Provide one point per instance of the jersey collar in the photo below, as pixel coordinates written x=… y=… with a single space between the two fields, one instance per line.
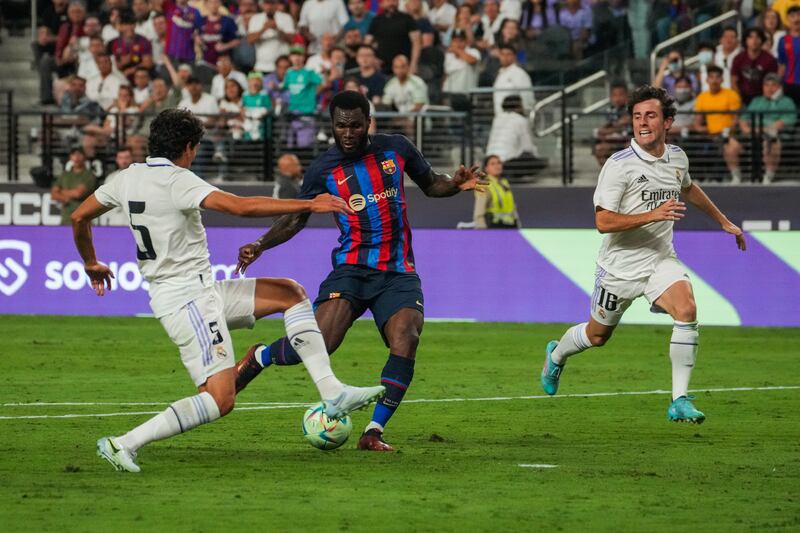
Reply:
x=158 y=162
x=644 y=156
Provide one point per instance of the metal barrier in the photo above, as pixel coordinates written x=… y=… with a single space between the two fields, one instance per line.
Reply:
x=8 y=139
x=706 y=153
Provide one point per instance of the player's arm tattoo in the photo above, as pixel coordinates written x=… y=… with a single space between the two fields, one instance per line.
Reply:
x=439 y=185
x=284 y=228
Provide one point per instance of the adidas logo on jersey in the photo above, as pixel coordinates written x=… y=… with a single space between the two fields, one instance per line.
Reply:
x=642 y=179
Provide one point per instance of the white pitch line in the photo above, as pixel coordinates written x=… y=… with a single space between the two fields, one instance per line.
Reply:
x=537 y=465
x=254 y=406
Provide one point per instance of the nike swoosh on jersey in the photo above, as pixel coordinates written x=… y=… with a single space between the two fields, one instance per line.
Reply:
x=339 y=182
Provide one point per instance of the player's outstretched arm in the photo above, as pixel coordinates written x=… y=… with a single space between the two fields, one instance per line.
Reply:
x=612 y=222
x=698 y=198
x=441 y=185
x=99 y=274
x=282 y=230
x=264 y=206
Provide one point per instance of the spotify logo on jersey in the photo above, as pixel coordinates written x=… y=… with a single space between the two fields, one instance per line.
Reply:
x=357 y=202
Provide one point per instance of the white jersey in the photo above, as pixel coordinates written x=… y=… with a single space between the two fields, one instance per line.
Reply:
x=162 y=203
x=633 y=182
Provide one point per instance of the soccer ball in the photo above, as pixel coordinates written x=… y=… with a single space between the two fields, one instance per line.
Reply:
x=325 y=433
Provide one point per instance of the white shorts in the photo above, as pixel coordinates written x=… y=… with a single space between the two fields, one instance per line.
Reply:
x=200 y=329
x=612 y=296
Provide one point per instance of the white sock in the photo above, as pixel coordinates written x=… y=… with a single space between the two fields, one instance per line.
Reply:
x=179 y=417
x=683 y=352
x=373 y=425
x=574 y=341
x=306 y=339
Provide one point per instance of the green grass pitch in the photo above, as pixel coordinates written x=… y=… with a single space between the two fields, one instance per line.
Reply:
x=621 y=465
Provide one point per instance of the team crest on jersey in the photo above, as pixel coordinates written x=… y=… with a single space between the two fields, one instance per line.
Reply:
x=601 y=312
x=388 y=166
x=221 y=352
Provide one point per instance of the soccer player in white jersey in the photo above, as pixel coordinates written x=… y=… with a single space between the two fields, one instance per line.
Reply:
x=636 y=202
x=162 y=200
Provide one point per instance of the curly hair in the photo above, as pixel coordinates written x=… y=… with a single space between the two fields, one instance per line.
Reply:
x=171 y=131
x=648 y=92
x=349 y=100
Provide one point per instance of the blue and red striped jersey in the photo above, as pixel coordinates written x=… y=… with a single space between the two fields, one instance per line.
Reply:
x=789 y=56
x=378 y=234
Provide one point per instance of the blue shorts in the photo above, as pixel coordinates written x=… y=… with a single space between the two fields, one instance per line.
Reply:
x=384 y=293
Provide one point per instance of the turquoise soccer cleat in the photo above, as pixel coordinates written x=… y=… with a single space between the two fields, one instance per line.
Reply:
x=683 y=410
x=551 y=372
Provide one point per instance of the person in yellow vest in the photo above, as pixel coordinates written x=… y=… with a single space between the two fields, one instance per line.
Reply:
x=495 y=208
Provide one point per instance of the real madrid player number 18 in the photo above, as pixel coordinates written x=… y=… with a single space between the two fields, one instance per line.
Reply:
x=373 y=266
x=636 y=204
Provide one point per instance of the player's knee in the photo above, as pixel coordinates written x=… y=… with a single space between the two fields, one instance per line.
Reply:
x=404 y=341
x=687 y=312
x=599 y=339
x=296 y=293
x=225 y=403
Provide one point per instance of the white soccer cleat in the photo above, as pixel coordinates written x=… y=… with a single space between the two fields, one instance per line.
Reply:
x=120 y=458
x=352 y=399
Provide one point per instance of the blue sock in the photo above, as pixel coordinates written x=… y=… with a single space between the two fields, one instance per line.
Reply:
x=396 y=377
x=281 y=353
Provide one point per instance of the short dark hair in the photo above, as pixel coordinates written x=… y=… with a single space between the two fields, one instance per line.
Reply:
x=171 y=131
x=506 y=46
x=364 y=45
x=707 y=45
x=758 y=31
x=619 y=84
x=794 y=9
x=512 y=102
x=489 y=158
x=648 y=92
x=349 y=100
x=77 y=150
x=127 y=17
x=192 y=80
x=714 y=68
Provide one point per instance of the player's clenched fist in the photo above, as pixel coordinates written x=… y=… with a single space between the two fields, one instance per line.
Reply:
x=325 y=203
x=672 y=210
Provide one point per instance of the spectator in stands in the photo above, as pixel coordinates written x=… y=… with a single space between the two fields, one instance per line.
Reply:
x=125 y=109
x=684 y=105
x=782 y=7
x=751 y=65
x=511 y=9
x=471 y=28
x=442 y=15
x=394 y=33
x=104 y=88
x=49 y=21
x=116 y=216
x=536 y=16
x=509 y=35
x=73 y=185
x=76 y=102
x=352 y=40
x=716 y=118
x=431 y=65
x=639 y=20
x=256 y=105
x=199 y=102
x=79 y=52
x=616 y=132
x=225 y=72
x=672 y=68
x=321 y=61
x=67 y=41
x=87 y=65
x=368 y=74
x=274 y=86
x=360 y=17
x=303 y=85
x=577 y=18
x=271 y=32
x=406 y=92
x=778 y=119
x=333 y=77
x=110 y=28
x=705 y=58
x=511 y=79
x=727 y=49
x=217 y=35
x=141 y=85
x=130 y=51
x=321 y=16
x=770 y=22
x=159 y=44
x=495 y=207
x=161 y=98
x=183 y=23
x=144 y=19
x=789 y=56
x=492 y=19
x=510 y=139
x=460 y=69
x=289 y=178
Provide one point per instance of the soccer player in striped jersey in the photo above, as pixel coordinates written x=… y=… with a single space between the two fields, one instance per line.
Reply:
x=637 y=201
x=373 y=267
x=163 y=200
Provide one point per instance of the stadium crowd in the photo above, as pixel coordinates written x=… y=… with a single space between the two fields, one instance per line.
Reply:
x=114 y=64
